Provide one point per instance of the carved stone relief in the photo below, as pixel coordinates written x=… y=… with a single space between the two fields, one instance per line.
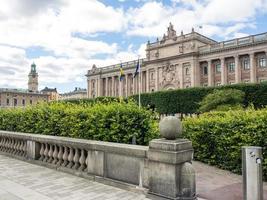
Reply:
x=169 y=76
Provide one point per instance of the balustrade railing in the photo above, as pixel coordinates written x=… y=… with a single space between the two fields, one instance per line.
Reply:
x=13 y=146
x=78 y=156
x=234 y=43
x=65 y=156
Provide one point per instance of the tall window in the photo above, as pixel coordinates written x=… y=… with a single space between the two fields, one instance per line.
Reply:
x=31 y=102
x=15 y=102
x=231 y=66
x=246 y=64
x=187 y=71
x=23 y=102
x=7 y=102
x=218 y=67
x=205 y=70
x=262 y=62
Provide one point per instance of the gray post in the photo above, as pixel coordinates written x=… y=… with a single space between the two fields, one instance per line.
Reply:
x=33 y=150
x=252 y=173
x=171 y=174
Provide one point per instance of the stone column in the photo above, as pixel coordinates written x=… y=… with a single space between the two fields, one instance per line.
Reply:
x=98 y=87
x=192 y=74
x=113 y=86
x=156 y=79
x=147 y=80
x=126 y=88
x=181 y=76
x=106 y=87
x=237 y=70
x=210 y=74
x=88 y=88
x=252 y=63
x=171 y=174
x=223 y=72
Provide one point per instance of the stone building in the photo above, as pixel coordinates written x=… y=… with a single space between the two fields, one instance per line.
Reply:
x=51 y=92
x=78 y=93
x=11 y=97
x=185 y=60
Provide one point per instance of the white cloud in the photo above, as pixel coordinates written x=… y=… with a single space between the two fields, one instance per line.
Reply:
x=68 y=30
x=151 y=18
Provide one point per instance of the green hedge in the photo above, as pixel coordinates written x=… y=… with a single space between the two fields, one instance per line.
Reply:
x=217 y=137
x=187 y=100
x=113 y=122
x=104 y=100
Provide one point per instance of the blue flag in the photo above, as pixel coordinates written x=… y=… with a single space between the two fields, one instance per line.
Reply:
x=137 y=69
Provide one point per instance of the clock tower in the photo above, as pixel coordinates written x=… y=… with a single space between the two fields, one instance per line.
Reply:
x=33 y=79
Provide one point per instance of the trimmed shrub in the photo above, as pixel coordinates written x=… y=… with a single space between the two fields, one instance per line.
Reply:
x=222 y=100
x=112 y=122
x=187 y=100
x=217 y=137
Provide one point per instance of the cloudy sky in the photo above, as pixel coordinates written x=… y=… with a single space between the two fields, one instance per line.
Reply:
x=66 y=37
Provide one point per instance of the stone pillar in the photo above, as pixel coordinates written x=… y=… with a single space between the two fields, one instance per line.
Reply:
x=192 y=74
x=171 y=174
x=181 y=76
x=147 y=80
x=237 y=70
x=106 y=86
x=113 y=86
x=99 y=87
x=210 y=74
x=252 y=63
x=88 y=88
x=156 y=79
x=33 y=150
x=223 y=72
x=126 y=82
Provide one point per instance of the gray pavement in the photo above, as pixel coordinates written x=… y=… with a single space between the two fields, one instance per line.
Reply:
x=20 y=180
x=24 y=181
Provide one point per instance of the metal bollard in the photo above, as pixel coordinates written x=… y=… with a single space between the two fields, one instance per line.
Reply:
x=252 y=173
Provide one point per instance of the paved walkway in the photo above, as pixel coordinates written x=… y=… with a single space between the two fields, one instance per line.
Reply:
x=24 y=181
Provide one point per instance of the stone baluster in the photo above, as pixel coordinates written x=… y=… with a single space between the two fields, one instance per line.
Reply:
x=76 y=159
x=65 y=157
x=11 y=146
x=70 y=158
x=8 y=145
x=42 y=152
x=1 y=144
x=17 y=147
x=60 y=156
x=24 y=148
x=20 y=148
x=55 y=154
x=14 y=147
x=4 y=145
x=45 y=153
x=82 y=161
x=50 y=153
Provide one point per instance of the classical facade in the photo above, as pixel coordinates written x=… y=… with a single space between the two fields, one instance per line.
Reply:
x=78 y=93
x=51 y=92
x=185 y=60
x=12 y=97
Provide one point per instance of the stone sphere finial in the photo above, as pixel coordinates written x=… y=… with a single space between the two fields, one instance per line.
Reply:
x=170 y=127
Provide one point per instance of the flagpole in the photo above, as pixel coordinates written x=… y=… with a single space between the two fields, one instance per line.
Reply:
x=139 y=83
